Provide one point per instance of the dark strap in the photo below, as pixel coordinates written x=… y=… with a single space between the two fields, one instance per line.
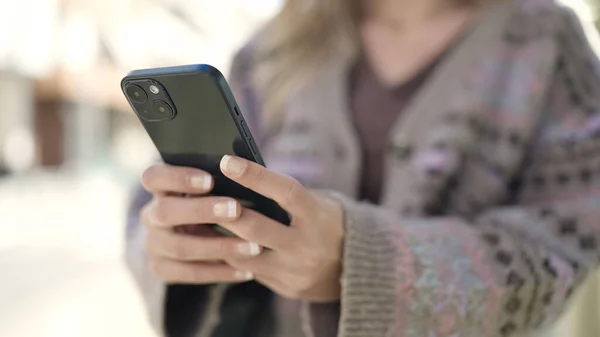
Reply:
x=184 y=306
x=245 y=310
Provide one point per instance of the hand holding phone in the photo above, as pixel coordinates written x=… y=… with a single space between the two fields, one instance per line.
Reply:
x=301 y=261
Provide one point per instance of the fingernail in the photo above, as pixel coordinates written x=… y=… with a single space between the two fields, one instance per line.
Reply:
x=232 y=165
x=243 y=275
x=201 y=182
x=225 y=209
x=248 y=249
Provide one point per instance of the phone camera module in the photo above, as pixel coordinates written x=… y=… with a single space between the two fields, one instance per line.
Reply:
x=136 y=94
x=162 y=110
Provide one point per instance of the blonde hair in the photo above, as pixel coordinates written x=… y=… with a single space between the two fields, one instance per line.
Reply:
x=296 y=42
x=294 y=45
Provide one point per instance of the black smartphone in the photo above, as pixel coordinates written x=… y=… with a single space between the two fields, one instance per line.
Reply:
x=190 y=114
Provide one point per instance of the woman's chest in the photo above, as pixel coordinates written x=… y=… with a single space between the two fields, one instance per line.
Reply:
x=459 y=143
x=455 y=149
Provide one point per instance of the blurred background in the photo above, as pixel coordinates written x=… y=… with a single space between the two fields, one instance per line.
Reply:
x=71 y=151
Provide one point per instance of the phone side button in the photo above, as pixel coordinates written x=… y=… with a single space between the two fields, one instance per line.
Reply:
x=253 y=147
x=245 y=130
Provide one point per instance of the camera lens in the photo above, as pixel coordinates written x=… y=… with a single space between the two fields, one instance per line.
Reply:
x=136 y=94
x=162 y=110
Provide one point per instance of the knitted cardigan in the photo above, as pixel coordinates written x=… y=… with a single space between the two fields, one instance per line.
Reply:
x=490 y=215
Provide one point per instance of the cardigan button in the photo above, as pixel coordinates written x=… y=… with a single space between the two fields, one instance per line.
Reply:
x=401 y=148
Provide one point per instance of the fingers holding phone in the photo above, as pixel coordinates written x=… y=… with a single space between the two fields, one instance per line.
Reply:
x=176 y=256
x=163 y=179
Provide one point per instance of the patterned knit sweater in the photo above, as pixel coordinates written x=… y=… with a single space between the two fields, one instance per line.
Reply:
x=491 y=209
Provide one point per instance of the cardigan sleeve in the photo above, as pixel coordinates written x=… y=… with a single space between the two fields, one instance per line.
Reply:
x=152 y=289
x=510 y=270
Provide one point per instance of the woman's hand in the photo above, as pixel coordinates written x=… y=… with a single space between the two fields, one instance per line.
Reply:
x=179 y=251
x=303 y=261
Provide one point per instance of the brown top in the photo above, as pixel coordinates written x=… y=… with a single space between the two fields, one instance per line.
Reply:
x=375 y=109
